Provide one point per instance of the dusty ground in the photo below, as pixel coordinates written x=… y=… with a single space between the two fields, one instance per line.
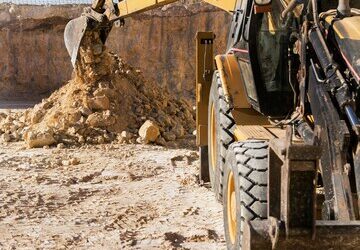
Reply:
x=117 y=197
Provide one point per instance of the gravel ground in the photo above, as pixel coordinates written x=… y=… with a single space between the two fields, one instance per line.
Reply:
x=105 y=197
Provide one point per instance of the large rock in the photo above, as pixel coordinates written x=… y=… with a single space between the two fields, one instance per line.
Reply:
x=38 y=139
x=126 y=135
x=100 y=119
x=169 y=136
x=149 y=131
x=36 y=116
x=99 y=103
x=5 y=138
x=105 y=92
x=179 y=131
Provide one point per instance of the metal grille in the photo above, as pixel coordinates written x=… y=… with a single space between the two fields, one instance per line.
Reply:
x=46 y=2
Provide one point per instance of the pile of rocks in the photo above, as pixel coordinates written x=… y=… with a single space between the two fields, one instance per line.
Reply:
x=106 y=100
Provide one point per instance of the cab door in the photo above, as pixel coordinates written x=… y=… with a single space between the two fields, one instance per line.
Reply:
x=261 y=43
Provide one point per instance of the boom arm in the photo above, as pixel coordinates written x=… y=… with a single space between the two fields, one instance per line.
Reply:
x=104 y=13
x=128 y=8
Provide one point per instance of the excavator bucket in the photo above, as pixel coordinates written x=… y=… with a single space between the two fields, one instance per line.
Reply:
x=74 y=33
x=77 y=28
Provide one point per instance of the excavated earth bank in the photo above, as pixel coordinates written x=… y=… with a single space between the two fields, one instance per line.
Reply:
x=161 y=43
x=113 y=105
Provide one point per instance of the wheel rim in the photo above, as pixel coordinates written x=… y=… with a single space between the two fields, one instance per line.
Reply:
x=231 y=207
x=213 y=145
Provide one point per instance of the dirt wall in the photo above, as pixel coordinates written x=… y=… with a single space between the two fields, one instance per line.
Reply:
x=34 y=61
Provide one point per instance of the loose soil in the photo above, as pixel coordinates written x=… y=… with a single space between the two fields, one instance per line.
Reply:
x=105 y=197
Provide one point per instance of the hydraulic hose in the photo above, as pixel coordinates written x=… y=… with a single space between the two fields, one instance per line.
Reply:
x=292 y=5
x=343 y=95
x=322 y=51
x=354 y=120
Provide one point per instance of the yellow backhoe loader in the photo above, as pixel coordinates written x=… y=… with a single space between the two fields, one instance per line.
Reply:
x=277 y=117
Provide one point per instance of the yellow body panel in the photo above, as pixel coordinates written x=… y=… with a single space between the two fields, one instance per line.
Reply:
x=254 y=132
x=243 y=133
x=230 y=75
x=204 y=73
x=347 y=35
x=227 y=5
x=249 y=122
x=347 y=28
x=249 y=116
x=129 y=7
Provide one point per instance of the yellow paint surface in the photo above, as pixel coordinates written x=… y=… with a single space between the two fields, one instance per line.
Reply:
x=348 y=28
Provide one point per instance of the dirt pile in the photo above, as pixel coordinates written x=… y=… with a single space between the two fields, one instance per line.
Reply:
x=106 y=100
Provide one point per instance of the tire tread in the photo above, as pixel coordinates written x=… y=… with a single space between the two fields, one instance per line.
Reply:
x=250 y=162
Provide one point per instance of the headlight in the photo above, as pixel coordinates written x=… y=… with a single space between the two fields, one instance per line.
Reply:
x=263 y=2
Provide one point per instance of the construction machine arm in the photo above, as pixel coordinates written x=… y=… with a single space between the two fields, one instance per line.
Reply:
x=127 y=8
x=101 y=16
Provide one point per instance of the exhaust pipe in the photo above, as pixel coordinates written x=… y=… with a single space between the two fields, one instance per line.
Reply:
x=344 y=8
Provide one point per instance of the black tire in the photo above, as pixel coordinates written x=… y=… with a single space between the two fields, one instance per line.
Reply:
x=247 y=163
x=224 y=124
x=204 y=164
